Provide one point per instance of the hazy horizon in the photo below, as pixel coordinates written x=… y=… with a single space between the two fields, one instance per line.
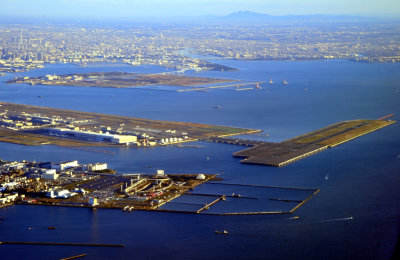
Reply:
x=122 y=9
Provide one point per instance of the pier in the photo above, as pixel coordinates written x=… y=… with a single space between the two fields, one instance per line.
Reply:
x=259 y=200
x=219 y=195
x=240 y=89
x=237 y=86
x=207 y=206
x=59 y=244
x=74 y=257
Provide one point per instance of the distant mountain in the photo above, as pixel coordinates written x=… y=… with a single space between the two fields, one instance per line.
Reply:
x=236 y=18
x=248 y=16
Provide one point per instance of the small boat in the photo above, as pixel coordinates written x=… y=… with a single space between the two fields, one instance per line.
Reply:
x=224 y=232
x=270 y=81
x=51 y=227
x=285 y=82
x=217 y=107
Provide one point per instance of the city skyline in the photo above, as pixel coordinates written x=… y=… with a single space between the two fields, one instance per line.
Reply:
x=172 y=8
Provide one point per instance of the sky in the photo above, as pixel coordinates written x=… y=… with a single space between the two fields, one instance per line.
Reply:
x=173 y=8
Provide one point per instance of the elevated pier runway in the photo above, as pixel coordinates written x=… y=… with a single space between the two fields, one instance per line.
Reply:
x=225 y=140
x=278 y=154
x=281 y=154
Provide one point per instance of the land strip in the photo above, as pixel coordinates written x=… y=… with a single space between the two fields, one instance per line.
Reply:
x=26 y=138
x=117 y=80
x=32 y=125
x=70 y=184
x=281 y=154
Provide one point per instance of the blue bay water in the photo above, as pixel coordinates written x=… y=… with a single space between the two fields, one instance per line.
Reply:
x=358 y=178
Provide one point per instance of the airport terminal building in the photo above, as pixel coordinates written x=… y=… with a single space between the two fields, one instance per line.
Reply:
x=93 y=136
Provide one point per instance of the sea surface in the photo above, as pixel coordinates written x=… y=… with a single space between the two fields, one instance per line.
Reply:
x=356 y=214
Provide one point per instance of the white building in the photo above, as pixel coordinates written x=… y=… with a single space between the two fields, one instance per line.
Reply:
x=51 y=77
x=50 y=176
x=63 y=194
x=200 y=177
x=17 y=166
x=80 y=190
x=97 y=167
x=9 y=198
x=64 y=165
x=160 y=173
x=93 y=136
x=49 y=171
